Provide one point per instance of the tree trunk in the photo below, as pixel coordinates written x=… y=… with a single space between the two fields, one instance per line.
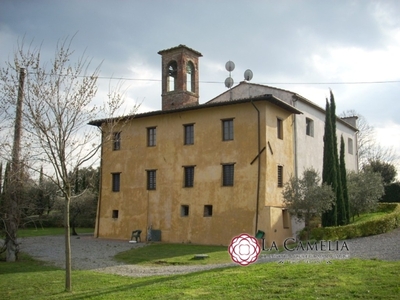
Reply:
x=11 y=232
x=68 y=269
x=12 y=209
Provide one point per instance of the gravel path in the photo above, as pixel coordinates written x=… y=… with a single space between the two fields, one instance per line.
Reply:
x=89 y=253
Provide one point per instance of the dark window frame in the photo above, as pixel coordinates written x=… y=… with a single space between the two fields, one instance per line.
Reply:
x=280 y=176
x=227 y=129
x=185 y=210
x=310 y=127
x=151 y=136
x=228 y=174
x=279 y=128
x=117 y=141
x=188 y=176
x=115 y=214
x=188 y=131
x=350 y=149
x=116 y=182
x=151 y=180
x=208 y=210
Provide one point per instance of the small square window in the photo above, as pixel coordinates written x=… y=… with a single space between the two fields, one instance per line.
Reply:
x=280 y=176
x=151 y=136
x=208 y=210
x=116 y=182
x=227 y=130
x=115 y=214
x=228 y=174
x=184 y=210
x=189 y=134
x=151 y=179
x=116 y=140
x=189 y=176
x=279 y=128
x=309 y=127
x=350 y=145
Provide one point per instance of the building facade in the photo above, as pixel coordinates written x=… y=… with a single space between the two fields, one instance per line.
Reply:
x=200 y=173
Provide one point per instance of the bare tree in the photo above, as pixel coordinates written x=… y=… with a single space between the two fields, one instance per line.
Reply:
x=59 y=102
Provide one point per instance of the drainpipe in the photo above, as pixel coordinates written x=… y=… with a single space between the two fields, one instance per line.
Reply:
x=259 y=164
x=295 y=139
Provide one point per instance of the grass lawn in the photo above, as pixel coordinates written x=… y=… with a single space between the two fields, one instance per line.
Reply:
x=175 y=254
x=342 y=279
x=368 y=217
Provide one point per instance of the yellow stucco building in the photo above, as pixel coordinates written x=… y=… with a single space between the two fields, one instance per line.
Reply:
x=197 y=173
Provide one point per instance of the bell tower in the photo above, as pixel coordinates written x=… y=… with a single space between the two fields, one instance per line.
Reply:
x=180 y=77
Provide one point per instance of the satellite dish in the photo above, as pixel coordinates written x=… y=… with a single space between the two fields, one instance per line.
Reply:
x=229 y=82
x=230 y=66
x=248 y=75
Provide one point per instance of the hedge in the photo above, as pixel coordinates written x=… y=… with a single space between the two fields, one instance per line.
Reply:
x=372 y=227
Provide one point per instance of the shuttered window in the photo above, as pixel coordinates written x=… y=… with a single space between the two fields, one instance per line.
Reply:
x=189 y=176
x=189 y=134
x=227 y=130
x=227 y=174
x=280 y=176
x=151 y=179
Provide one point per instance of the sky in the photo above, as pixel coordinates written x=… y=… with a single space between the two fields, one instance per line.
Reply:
x=307 y=47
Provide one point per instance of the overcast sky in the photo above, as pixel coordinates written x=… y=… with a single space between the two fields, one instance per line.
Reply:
x=306 y=47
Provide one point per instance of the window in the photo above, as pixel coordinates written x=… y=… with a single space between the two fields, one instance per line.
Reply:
x=208 y=210
x=151 y=136
x=279 y=128
x=190 y=77
x=280 y=176
x=116 y=140
x=309 y=127
x=116 y=182
x=189 y=134
x=227 y=130
x=285 y=218
x=184 y=210
x=350 y=145
x=227 y=174
x=151 y=179
x=115 y=214
x=172 y=75
x=189 y=176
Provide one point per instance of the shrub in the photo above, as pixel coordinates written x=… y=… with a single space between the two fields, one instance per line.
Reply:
x=392 y=192
x=381 y=225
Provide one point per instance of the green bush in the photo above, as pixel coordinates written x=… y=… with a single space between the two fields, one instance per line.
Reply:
x=392 y=193
x=381 y=225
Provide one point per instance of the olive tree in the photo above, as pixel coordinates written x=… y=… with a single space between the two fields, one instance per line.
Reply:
x=306 y=197
x=365 y=189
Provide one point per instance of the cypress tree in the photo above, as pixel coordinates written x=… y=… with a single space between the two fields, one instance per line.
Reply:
x=1 y=177
x=343 y=176
x=76 y=186
x=340 y=207
x=40 y=201
x=6 y=180
x=329 y=174
x=1 y=184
